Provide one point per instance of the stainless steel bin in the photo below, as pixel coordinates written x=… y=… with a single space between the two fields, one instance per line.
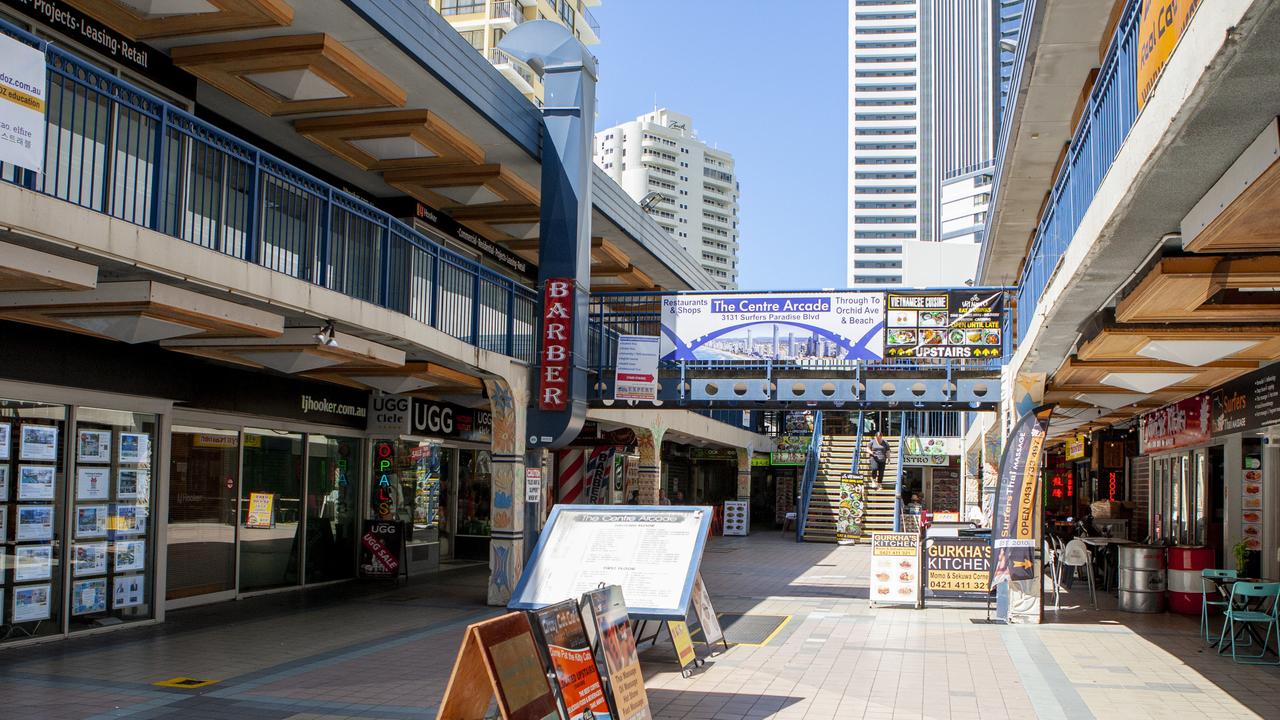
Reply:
x=1142 y=578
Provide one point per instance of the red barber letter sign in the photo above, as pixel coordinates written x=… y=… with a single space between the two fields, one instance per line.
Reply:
x=557 y=332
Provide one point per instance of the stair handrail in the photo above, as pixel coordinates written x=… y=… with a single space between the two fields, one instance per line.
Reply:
x=897 y=490
x=810 y=475
x=857 y=446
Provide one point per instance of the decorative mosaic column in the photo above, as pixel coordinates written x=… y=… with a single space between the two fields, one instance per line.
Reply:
x=506 y=546
x=744 y=473
x=649 y=442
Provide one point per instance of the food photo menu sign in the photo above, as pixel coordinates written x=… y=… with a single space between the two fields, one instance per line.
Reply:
x=944 y=324
x=895 y=569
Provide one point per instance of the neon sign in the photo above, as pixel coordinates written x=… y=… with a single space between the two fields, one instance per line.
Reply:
x=383 y=492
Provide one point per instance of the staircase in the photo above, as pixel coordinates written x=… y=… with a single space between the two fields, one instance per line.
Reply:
x=836 y=457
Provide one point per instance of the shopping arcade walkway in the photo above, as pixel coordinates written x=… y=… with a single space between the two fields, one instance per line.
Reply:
x=367 y=652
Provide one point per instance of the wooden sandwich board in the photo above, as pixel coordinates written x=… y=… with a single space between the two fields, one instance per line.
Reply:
x=499 y=659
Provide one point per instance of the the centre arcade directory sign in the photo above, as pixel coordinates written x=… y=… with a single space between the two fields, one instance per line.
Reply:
x=651 y=551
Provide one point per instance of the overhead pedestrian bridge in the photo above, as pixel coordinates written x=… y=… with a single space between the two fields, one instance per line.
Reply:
x=933 y=349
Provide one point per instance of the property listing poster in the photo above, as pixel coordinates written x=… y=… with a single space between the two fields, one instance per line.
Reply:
x=794 y=327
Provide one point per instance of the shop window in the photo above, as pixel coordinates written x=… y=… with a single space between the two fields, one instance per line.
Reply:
x=411 y=486
x=333 y=508
x=204 y=473
x=475 y=487
x=32 y=487
x=112 y=549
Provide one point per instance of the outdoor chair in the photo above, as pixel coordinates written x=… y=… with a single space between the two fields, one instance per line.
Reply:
x=1076 y=555
x=1053 y=566
x=1212 y=599
x=1238 y=610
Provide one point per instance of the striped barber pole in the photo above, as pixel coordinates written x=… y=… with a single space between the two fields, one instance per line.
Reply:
x=571 y=465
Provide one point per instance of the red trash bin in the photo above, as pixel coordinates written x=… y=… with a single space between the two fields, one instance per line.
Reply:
x=1186 y=590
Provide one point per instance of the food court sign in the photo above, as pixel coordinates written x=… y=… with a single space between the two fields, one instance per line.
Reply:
x=944 y=324
x=1181 y=424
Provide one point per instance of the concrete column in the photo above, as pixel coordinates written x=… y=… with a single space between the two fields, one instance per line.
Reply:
x=506 y=546
x=649 y=442
x=744 y=474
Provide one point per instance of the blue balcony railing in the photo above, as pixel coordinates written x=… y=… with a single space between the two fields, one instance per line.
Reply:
x=118 y=150
x=1104 y=125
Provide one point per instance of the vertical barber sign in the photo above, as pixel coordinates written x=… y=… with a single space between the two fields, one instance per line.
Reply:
x=557 y=337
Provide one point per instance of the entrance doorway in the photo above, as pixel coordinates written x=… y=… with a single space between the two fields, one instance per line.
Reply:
x=204 y=476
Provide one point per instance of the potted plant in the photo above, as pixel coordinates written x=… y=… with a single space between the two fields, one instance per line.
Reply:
x=1241 y=551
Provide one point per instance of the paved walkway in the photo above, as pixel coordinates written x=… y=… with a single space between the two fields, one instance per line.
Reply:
x=367 y=652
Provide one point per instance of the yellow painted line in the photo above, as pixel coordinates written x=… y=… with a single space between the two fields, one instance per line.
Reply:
x=184 y=683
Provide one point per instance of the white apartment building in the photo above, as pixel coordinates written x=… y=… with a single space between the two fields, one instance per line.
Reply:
x=923 y=102
x=687 y=186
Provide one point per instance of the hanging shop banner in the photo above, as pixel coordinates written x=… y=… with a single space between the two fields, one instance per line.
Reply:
x=1250 y=402
x=795 y=327
x=1017 y=499
x=1181 y=424
x=791 y=450
x=636 y=368
x=380 y=548
x=945 y=324
x=852 y=507
x=1159 y=30
x=929 y=452
x=262 y=511
x=22 y=99
x=499 y=660
x=957 y=567
x=616 y=647
x=569 y=651
x=895 y=568
x=1076 y=447
x=651 y=551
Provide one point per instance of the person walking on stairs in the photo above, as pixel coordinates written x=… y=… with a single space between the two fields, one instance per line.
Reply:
x=878 y=450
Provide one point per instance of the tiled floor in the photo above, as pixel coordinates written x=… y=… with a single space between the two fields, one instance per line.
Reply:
x=374 y=652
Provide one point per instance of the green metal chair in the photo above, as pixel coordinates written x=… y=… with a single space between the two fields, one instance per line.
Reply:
x=1242 y=594
x=1209 y=591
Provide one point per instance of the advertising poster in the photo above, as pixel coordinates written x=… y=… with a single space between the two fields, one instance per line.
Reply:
x=702 y=608
x=128 y=591
x=928 y=451
x=35 y=482
x=93 y=483
x=1251 y=503
x=38 y=442
x=262 y=511
x=135 y=448
x=93 y=446
x=570 y=653
x=22 y=100
x=895 y=568
x=1159 y=30
x=4 y=482
x=133 y=483
x=957 y=567
x=90 y=559
x=91 y=521
x=32 y=562
x=5 y=440
x=31 y=603
x=652 y=552
x=851 y=511
x=683 y=643
x=816 y=327
x=1250 y=402
x=89 y=596
x=947 y=324
x=636 y=368
x=380 y=546
x=126 y=519
x=1014 y=533
x=791 y=450
x=130 y=555
x=737 y=517
x=35 y=522
x=617 y=648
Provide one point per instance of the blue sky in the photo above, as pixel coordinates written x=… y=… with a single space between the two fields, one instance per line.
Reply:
x=781 y=114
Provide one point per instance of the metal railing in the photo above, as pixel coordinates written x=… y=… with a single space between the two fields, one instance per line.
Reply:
x=812 y=459
x=897 y=485
x=932 y=423
x=498 y=57
x=118 y=150
x=1105 y=123
x=591 y=20
x=507 y=9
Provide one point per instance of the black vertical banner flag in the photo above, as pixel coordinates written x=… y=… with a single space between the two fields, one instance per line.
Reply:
x=1017 y=499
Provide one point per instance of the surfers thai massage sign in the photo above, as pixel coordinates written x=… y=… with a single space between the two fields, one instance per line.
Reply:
x=813 y=326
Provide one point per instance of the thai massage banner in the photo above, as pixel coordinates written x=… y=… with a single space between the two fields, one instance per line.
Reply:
x=945 y=324
x=797 y=327
x=1017 y=499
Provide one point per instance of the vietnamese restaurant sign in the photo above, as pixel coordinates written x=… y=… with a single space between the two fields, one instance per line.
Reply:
x=1181 y=424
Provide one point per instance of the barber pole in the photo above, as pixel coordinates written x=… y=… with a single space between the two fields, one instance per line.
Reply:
x=557 y=337
x=570 y=473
